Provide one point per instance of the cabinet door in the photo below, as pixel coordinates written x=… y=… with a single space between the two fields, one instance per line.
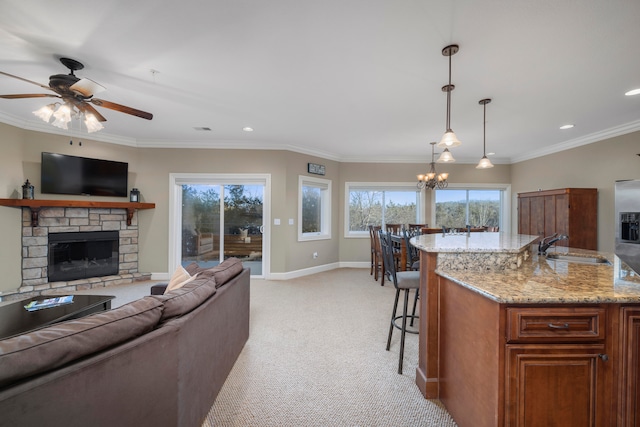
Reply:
x=555 y=385
x=549 y=215
x=562 y=218
x=524 y=215
x=630 y=378
x=537 y=216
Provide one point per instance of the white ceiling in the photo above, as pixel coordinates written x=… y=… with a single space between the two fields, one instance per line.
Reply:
x=350 y=80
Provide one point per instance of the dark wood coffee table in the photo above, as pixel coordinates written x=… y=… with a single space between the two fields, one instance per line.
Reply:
x=16 y=320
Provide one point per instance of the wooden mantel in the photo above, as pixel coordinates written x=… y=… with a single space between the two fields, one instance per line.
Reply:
x=35 y=206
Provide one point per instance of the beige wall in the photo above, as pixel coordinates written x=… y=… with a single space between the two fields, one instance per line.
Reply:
x=595 y=165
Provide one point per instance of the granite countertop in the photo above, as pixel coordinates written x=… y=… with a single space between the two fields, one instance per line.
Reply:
x=542 y=280
x=475 y=243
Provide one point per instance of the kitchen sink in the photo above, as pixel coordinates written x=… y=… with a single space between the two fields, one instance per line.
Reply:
x=582 y=259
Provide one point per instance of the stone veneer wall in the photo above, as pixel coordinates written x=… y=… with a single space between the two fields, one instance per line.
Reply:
x=35 y=248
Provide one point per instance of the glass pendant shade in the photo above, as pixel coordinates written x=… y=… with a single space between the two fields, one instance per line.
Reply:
x=446 y=157
x=485 y=163
x=62 y=117
x=449 y=139
x=92 y=124
x=45 y=112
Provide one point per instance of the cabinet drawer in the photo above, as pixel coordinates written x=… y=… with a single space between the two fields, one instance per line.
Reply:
x=561 y=324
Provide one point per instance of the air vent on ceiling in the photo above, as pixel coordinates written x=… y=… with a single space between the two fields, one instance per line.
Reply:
x=204 y=128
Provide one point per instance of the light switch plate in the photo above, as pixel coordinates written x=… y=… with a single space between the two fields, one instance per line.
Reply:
x=276 y=221
x=290 y=221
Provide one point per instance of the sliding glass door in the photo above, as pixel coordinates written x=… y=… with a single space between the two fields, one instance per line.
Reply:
x=219 y=220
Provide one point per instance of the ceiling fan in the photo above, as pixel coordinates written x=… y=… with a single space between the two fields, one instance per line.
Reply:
x=76 y=92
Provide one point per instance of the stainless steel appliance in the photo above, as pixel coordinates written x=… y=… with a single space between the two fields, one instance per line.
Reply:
x=627 y=200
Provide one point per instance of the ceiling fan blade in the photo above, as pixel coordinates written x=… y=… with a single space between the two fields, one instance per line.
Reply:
x=88 y=109
x=87 y=87
x=122 y=108
x=25 y=80
x=29 y=95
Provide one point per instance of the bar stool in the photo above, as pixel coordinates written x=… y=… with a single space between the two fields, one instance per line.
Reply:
x=402 y=281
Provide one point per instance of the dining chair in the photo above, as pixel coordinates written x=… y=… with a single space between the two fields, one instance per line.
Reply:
x=416 y=227
x=404 y=281
x=394 y=228
x=377 y=266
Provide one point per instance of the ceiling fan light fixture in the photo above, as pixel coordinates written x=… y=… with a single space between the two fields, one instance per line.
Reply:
x=62 y=117
x=45 y=112
x=92 y=124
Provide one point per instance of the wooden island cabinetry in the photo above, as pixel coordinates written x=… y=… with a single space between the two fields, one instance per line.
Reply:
x=569 y=211
x=538 y=365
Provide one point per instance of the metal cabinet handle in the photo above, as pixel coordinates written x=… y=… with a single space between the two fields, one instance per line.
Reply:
x=563 y=326
x=604 y=357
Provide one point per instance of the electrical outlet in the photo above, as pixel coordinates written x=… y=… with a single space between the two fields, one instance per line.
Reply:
x=315 y=255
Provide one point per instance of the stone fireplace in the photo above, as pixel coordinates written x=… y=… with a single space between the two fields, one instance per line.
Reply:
x=57 y=220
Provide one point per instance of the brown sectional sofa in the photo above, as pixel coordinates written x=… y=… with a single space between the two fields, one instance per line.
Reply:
x=158 y=361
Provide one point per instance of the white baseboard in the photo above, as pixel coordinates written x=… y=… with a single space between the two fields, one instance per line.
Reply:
x=318 y=269
x=291 y=274
x=160 y=276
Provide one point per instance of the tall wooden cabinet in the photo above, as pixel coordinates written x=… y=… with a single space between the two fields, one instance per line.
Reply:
x=569 y=211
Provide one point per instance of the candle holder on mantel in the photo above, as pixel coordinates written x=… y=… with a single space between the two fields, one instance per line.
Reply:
x=27 y=190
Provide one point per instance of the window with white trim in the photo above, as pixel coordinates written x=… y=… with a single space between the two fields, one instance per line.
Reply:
x=380 y=204
x=314 y=208
x=474 y=206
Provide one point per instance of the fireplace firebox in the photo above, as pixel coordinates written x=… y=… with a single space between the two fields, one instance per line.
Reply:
x=80 y=255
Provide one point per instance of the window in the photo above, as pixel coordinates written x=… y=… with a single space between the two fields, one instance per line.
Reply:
x=380 y=204
x=314 y=208
x=459 y=207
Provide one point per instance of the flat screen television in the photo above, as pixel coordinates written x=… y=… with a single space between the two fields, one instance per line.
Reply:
x=63 y=174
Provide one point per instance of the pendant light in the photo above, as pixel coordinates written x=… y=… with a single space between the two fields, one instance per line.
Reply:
x=449 y=139
x=485 y=163
x=433 y=179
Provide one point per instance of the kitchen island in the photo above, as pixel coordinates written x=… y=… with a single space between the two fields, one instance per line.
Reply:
x=508 y=337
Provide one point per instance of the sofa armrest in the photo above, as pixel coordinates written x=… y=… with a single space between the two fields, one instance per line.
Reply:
x=159 y=288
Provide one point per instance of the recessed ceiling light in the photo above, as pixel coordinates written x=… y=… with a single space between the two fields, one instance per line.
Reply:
x=633 y=92
x=247 y=129
x=491 y=154
x=566 y=127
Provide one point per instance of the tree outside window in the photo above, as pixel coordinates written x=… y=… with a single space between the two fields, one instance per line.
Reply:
x=372 y=204
x=459 y=208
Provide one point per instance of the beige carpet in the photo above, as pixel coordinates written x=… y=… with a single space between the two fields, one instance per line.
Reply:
x=316 y=357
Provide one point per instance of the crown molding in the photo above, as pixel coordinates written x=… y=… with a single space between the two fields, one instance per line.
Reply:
x=578 y=142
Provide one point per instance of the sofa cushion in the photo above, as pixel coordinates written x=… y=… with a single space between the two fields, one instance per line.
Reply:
x=51 y=347
x=223 y=272
x=185 y=299
x=193 y=268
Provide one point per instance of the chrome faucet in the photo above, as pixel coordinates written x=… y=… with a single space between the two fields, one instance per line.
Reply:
x=549 y=241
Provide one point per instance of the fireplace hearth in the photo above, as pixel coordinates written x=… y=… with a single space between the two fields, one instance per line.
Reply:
x=80 y=255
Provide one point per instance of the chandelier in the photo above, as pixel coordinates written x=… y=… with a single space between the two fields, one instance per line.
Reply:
x=484 y=163
x=449 y=139
x=433 y=179
x=63 y=113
